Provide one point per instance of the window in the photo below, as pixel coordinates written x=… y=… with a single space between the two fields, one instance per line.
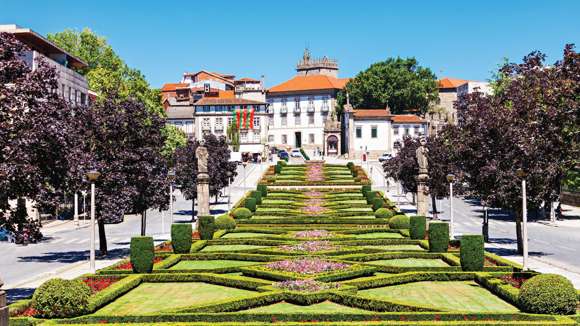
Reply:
x=311 y=119
x=407 y=131
x=283 y=102
x=83 y=99
x=205 y=124
x=311 y=138
x=358 y=132
x=244 y=137
x=396 y=130
x=373 y=131
x=297 y=119
x=297 y=102
x=219 y=124
x=230 y=121
x=257 y=122
x=417 y=130
x=311 y=100
x=270 y=138
x=284 y=139
x=284 y=120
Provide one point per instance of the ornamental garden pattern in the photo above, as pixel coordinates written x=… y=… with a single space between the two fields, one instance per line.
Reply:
x=314 y=243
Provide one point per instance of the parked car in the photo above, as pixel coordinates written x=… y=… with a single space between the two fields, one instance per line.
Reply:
x=296 y=153
x=385 y=157
x=282 y=154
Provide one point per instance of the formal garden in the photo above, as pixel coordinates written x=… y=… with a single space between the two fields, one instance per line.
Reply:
x=332 y=252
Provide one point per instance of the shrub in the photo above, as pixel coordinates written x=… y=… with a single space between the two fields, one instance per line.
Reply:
x=250 y=203
x=417 y=227
x=242 y=213
x=306 y=157
x=206 y=227
x=378 y=203
x=263 y=189
x=548 y=294
x=371 y=196
x=472 y=252
x=282 y=162
x=225 y=222
x=399 y=222
x=438 y=237
x=58 y=298
x=181 y=238
x=142 y=254
x=384 y=213
x=365 y=189
x=350 y=165
x=278 y=168
x=257 y=195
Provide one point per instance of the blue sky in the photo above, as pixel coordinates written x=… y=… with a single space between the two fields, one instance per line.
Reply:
x=463 y=39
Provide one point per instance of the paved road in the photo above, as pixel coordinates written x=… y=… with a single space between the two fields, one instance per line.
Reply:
x=66 y=244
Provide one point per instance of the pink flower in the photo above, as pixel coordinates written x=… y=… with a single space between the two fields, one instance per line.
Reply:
x=310 y=246
x=315 y=234
x=306 y=266
x=305 y=285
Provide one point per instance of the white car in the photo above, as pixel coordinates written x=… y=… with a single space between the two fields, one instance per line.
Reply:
x=385 y=157
x=295 y=153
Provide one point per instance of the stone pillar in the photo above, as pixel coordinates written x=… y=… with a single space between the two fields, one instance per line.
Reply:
x=422 y=197
x=202 y=194
x=3 y=306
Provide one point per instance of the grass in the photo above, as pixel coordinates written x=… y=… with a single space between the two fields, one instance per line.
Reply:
x=410 y=262
x=158 y=297
x=230 y=248
x=246 y=235
x=209 y=264
x=322 y=307
x=445 y=296
x=397 y=247
x=390 y=235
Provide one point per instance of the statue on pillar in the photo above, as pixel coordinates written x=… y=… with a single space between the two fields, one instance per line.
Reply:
x=202 y=180
x=202 y=155
x=422 y=162
x=421 y=153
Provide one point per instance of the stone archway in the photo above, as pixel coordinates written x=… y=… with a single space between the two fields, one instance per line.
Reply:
x=332 y=145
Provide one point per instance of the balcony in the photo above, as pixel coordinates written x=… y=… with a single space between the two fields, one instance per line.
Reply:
x=310 y=109
x=283 y=110
x=325 y=108
x=297 y=109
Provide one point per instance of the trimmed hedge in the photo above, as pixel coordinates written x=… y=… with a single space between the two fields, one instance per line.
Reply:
x=257 y=195
x=181 y=237
x=242 y=213
x=378 y=203
x=206 y=227
x=472 y=252
x=399 y=222
x=365 y=189
x=438 y=237
x=263 y=189
x=225 y=222
x=142 y=254
x=278 y=168
x=548 y=294
x=384 y=213
x=250 y=203
x=58 y=298
x=417 y=227
x=306 y=157
x=371 y=195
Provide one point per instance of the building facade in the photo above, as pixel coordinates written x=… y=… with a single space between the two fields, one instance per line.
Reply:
x=73 y=87
x=300 y=108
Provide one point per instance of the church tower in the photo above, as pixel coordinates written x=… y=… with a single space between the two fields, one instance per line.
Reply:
x=316 y=66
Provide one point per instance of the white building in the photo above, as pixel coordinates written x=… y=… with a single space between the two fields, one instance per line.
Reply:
x=300 y=107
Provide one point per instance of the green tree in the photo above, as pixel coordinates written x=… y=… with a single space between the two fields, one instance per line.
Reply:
x=234 y=137
x=400 y=83
x=174 y=138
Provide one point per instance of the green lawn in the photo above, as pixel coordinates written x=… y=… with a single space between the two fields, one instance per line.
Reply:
x=374 y=235
x=246 y=235
x=323 y=307
x=397 y=247
x=446 y=296
x=157 y=297
x=208 y=264
x=229 y=248
x=410 y=262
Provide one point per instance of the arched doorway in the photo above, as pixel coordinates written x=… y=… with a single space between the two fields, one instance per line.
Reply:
x=332 y=145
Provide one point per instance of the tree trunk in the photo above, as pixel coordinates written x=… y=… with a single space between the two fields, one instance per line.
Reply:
x=519 y=235
x=193 y=210
x=143 y=222
x=413 y=200
x=485 y=225
x=102 y=239
x=434 y=205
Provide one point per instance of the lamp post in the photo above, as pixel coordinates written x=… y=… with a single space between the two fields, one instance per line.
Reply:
x=244 y=164
x=92 y=176
x=522 y=175
x=229 y=174
x=84 y=193
x=450 y=179
x=171 y=177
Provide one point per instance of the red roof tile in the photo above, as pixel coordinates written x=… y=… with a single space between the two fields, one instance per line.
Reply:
x=371 y=113
x=406 y=118
x=173 y=86
x=312 y=82
x=225 y=101
x=451 y=82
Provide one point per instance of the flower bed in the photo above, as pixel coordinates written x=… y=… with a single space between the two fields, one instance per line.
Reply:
x=310 y=246
x=312 y=234
x=305 y=285
x=306 y=266
x=315 y=172
x=128 y=266
x=513 y=280
x=100 y=283
x=164 y=247
x=313 y=206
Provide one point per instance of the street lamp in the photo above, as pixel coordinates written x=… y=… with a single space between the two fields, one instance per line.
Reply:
x=450 y=179
x=229 y=174
x=171 y=178
x=92 y=176
x=522 y=175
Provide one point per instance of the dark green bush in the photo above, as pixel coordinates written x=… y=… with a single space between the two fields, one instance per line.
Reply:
x=278 y=168
x=181 y=237
x=142 y=254
x=306 y=157
x=250 y=203
x=548 y=294
x=365 y=189
x=263 y=189
x=371 y=195
x=282 y=163
x=350 y=165
x=384 y=213
x=242 y=213
x=472 y=252
x=399 y=222
x=438 y=237
x=378 y=203
x=225 y=222
x=417 y=227
x=257 y=195
x=58 y=298
x=206 y=227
